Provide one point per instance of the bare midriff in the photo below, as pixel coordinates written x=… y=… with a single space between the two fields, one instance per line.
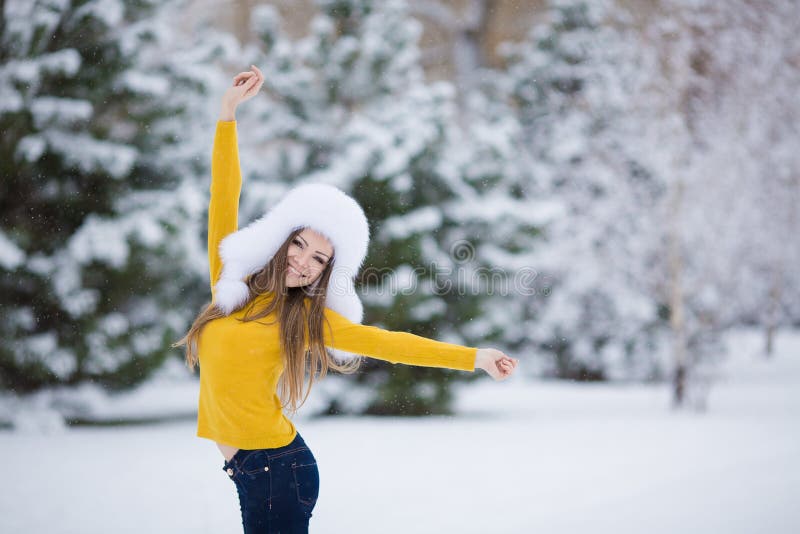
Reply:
x=227 y=451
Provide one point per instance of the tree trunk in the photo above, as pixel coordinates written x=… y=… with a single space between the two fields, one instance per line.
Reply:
x=773 y=318
x=676 y=305
x=773 y=311
x=470 y=39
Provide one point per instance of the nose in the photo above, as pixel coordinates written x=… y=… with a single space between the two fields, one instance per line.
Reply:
x=302 y=260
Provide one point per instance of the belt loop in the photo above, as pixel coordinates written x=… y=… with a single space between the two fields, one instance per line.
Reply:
x=229 y=468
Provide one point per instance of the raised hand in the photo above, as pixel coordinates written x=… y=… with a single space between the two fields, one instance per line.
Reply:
x=496 y=363
x=245 y=86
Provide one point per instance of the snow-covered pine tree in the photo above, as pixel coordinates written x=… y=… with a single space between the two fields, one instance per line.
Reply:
x=492 y=230
x=489 y=283
x=571 y=82
x=351 y=107
x=100 y=190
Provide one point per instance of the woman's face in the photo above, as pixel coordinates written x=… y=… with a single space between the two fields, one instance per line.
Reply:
x=309 y=254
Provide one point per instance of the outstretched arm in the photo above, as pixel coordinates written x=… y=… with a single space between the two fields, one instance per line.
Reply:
x=226 y=175
x=404 y=347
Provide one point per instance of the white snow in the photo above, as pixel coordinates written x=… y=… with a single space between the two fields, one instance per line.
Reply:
x=61 y=111
x=66 y=61
x=43 y=348
x=11 y=256
x=90 y=154
x=110 y=12
x=99 y=239
x=142 y=82
x=424 y=219
x=521 y=456
x=31 y=147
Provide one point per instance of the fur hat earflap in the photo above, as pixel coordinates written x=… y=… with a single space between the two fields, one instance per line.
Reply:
x=325 y=209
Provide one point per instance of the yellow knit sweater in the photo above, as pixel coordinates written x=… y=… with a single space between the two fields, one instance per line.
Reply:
x=240 y=362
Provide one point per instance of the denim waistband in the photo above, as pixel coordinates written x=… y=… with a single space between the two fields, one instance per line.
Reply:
x=237 y=458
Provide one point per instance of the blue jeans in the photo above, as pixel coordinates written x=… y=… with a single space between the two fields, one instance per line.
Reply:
x=277 y=488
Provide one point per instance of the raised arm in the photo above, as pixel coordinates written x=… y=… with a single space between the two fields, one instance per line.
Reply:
x=226 y=175
x=226 y=186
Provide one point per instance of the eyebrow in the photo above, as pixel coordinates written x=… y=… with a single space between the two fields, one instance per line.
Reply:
x=306 y=242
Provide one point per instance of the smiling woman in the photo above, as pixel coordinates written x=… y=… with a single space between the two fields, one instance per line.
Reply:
x=308 y=255
x=284 y=302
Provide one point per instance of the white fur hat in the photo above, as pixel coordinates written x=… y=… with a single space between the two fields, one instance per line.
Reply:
x=325 y=209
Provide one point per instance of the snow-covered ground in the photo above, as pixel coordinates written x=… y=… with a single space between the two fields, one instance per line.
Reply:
x=522 y=456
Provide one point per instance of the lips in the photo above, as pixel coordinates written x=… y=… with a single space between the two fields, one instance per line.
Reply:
x=295 y=271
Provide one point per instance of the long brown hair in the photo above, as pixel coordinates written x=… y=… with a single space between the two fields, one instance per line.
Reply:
x=288 y=304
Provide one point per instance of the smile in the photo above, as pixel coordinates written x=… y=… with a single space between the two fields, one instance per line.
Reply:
x=295 y=271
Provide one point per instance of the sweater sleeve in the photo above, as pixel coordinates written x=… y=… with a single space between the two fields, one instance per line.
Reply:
x=395 y=347
x=226 y=186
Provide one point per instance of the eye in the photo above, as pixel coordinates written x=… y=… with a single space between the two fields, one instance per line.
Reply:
x=297 y=242
x=319 y=260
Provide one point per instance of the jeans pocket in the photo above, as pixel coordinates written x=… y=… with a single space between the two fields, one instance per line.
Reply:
x=306 y=480
x=253 y=462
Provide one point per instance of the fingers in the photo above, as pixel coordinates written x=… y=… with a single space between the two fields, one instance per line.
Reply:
x=257 y=78
x=505 y=366
x=253 y=85
x=242 y=77
x=250 y=75
x=512 y=361
x=259 y=74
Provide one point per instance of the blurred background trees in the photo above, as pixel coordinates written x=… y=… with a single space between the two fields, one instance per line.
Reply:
x=101 y=195
x=601 y=188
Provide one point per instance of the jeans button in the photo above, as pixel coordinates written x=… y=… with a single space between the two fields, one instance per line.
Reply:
x=266 y=468
x=230 y=471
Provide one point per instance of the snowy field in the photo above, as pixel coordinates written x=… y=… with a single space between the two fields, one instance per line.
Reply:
x=522 y=456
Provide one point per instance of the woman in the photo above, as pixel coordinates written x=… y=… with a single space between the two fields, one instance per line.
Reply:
x=282 y=291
